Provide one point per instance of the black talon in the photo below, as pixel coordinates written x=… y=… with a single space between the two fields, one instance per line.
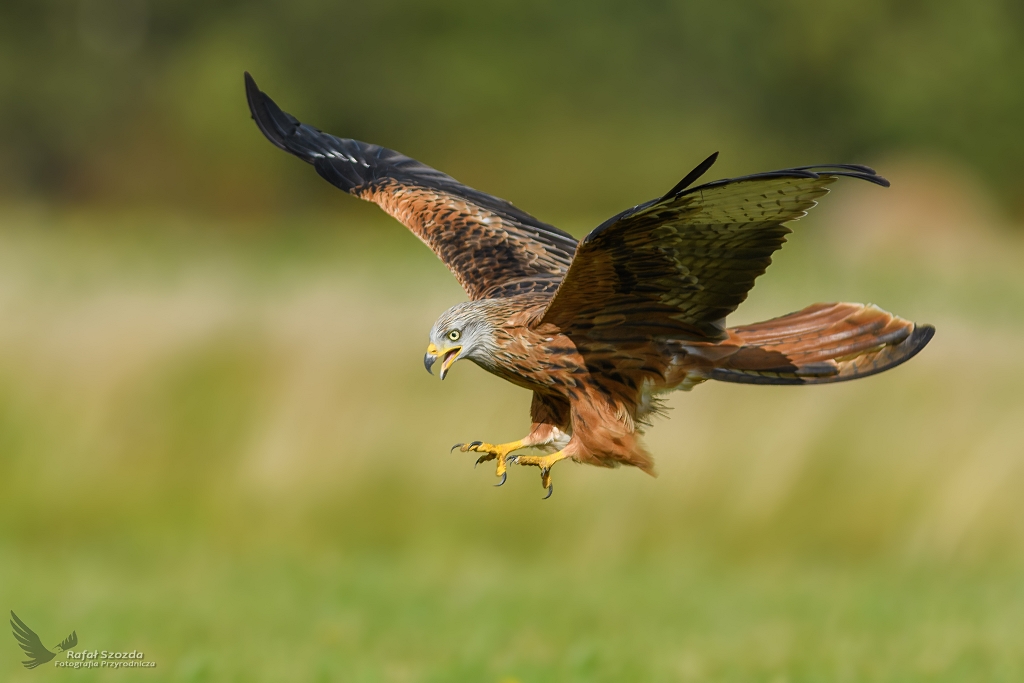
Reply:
x=458 y=445
x=473 y=444
x=551 y=488
x=482 y=458
x=546 y=472
x=504 y=476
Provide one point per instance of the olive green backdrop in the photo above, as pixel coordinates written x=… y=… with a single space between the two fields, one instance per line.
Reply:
x=217 y=441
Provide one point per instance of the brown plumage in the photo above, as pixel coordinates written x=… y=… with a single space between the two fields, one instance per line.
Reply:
x=597 y=330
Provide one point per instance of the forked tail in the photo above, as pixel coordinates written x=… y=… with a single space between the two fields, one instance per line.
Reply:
x=820 y=344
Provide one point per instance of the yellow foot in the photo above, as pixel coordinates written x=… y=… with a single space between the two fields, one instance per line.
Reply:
x=490 y=452
x=544 y=462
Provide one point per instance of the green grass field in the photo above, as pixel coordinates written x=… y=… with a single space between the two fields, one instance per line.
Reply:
x=218 y=446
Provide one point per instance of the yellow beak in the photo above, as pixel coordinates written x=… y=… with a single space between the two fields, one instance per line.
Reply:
x=447 y=356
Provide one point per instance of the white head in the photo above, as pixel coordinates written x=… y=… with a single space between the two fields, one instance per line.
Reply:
x=463 y=331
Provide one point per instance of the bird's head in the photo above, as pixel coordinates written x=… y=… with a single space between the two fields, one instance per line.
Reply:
x=463 y=331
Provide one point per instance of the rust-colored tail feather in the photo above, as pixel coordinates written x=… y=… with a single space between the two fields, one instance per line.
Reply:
x=820 y=344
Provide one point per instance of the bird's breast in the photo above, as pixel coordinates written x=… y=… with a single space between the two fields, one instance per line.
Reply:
x=539 y=361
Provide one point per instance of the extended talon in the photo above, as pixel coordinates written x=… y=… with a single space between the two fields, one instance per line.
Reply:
x=489 y=451
x=545 y=481
x=544 y=462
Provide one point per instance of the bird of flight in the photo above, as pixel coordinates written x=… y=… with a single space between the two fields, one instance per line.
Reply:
x=598 y=329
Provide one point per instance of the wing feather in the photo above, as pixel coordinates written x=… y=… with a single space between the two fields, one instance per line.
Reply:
x=493 y=248
x=677 y=265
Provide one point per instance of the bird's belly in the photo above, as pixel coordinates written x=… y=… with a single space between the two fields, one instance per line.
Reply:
x=559 y=439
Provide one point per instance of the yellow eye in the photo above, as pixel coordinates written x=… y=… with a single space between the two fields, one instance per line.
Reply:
x=454 y=335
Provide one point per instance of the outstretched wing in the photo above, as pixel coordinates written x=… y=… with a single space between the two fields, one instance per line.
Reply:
x=69 y=642
x=493 y=248
x=30 y=643
x=676 y=266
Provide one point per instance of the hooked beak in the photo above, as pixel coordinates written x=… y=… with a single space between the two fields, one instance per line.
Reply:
x=447 y=356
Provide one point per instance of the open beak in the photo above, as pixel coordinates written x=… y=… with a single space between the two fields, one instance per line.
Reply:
x=447 y=356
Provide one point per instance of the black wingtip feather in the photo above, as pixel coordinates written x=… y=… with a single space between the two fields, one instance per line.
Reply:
x=848 y=170
x=274 y=123
x=844 y=170
x=308 y=143
x=692 y=176
x=919 y=339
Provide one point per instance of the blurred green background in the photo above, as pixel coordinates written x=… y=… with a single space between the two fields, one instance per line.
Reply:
x=217 y=441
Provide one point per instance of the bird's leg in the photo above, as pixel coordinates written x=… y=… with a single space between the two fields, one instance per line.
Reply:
x=491 y=452
x=542 y=434
x=544 y=462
